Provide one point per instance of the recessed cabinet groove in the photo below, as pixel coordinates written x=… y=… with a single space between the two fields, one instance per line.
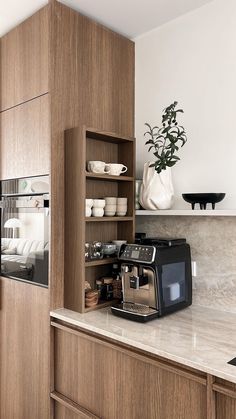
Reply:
x=24 y=61
x=25 y=139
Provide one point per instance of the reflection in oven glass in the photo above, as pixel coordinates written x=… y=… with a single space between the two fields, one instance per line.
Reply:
x=25 y=229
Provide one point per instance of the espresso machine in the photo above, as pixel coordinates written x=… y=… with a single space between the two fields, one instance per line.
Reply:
x=156 y=279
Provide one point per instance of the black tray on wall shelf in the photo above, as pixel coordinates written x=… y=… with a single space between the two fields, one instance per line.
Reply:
x=203 y=199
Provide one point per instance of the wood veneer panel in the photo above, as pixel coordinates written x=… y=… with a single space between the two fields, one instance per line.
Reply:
x=74 y=220
x=25 y=139
x=24 y=350
x=138 y=389
x=72 y=407
x=225 y=407
x=62 y=412
x=92 y=84
x=24 y=61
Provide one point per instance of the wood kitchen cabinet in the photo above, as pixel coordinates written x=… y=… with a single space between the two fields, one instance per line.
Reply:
x=82 y=145
x=114 y=382
x=225 y=399
x=225 y=407
x=25 y=139
x=62 y=412
x=24 y=61
x=24 y=351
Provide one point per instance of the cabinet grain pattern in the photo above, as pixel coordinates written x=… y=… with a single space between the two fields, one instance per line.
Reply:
x=25 y=139
x=225 y=396
x=61 y=412
x=92 y=84
x=72 y=407
x=24 y=351
x=24 y=61
x=114 y=384
x=225 y=407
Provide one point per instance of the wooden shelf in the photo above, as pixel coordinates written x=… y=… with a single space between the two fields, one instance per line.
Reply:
x=99 y=305
x=192 y=213
x=105 y=261
x=106 y=219
x=84 y=144
x=107 y=136
x=97 y=176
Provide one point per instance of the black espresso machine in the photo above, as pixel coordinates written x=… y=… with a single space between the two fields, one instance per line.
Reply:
x=156 y=278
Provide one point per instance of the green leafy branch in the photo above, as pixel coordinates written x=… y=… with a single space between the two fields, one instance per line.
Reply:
x=166 y=141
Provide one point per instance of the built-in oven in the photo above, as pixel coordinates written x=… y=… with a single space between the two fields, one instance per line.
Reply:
x=25 y=229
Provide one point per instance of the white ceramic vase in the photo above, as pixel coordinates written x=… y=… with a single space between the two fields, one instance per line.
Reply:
x=157 y=190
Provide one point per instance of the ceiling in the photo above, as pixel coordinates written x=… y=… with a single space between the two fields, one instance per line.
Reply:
x=128 y=17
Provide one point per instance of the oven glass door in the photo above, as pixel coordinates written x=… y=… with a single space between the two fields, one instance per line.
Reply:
x=24 y=232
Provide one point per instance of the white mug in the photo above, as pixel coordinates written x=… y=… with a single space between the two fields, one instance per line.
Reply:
x=99 y=203
x=122 y=201
x=88 y=212
x=89 y=203
x=115 y=169
x=96 y=166
x=97 y=212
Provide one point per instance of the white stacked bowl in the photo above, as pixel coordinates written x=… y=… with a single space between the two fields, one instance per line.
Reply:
x=121 y=207
x=110 y=206
x=98 y=207
x=88 y=207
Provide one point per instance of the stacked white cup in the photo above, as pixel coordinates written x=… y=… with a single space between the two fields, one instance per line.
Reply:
x=121 y=207
x=98 y=207
x=110 y=207
x=88 y=207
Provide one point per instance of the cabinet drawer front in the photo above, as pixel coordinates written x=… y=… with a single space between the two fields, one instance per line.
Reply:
x=116 y=384
x=61 y=412
x=64 y=406
x=25 y=139
x=24 y=61
x=225 y=407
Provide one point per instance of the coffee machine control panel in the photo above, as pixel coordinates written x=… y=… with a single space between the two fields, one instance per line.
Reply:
x=138 y=253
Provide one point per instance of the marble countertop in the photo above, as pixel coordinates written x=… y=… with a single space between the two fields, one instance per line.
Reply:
x=197 y=337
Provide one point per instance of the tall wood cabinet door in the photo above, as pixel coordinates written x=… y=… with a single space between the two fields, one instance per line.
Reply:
x=25 y=139
x=24 y=61
x=115 y=384
x=24 y=351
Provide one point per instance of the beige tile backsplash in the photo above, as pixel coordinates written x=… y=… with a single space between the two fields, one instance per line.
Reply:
x=213 y=247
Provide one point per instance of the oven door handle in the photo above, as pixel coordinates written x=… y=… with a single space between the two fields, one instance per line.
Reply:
x=29 y=203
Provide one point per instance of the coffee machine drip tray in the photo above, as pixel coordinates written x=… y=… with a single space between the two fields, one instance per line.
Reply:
x=132 y=311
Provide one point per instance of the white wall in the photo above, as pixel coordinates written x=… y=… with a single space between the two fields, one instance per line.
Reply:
x=193 y=60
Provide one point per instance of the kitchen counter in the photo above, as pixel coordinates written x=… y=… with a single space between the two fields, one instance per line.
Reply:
x=198 y=337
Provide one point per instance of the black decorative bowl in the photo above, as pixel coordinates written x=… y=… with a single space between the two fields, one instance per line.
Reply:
x=203 y=199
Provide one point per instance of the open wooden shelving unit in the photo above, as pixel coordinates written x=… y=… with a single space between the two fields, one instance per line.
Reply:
x=81 y=145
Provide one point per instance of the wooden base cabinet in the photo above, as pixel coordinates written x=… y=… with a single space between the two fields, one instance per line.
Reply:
x=114 y=382
x=62 y=412
x=24 y=351
x=225 y=407
x=225 y=399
